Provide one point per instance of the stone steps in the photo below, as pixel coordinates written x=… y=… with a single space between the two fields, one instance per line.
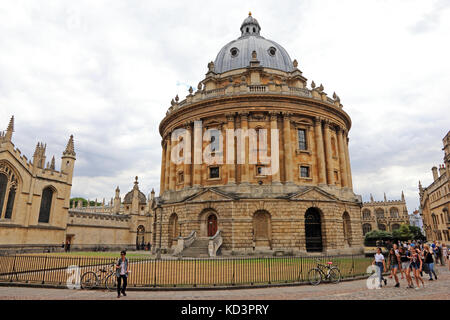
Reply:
x=199 y=248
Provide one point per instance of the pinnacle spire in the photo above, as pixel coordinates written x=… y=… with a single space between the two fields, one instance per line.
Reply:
x=70 y=149
x=10 y=129
x=52 y=163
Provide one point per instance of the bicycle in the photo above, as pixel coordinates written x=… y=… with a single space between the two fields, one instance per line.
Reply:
x=324 y=272
x=90 y=279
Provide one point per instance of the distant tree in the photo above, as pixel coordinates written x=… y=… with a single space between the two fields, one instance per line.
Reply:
x=74 y=202
x=416 y=233
x=402 y=233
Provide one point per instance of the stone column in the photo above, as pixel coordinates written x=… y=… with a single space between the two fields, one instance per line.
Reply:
x=230 y=167
x=163 y=167
x=167 y=166
x=321 y=168
x=287 y=147
x=329 y=159
x=198 y=156
x=342 y=158
x=245 y=166
x=172 y=169
x=347 y=156
x=187 y=155
x=274 y=126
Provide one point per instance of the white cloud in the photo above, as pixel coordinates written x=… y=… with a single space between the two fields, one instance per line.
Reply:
x=106 y=72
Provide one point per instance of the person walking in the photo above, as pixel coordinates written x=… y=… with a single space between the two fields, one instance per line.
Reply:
x=394 y=262
x=405 y=266
x=380 y=263
x=416 y=266
x=122 y=271
x=428 y=256
x=440 y=256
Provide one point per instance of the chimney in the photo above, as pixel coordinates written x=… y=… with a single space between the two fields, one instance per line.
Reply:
x=441 y=169
x=435 y=173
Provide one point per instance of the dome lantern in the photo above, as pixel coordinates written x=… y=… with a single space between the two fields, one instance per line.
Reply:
x=250 y=26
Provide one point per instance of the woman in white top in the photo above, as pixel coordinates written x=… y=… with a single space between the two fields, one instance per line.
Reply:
x=379 y=262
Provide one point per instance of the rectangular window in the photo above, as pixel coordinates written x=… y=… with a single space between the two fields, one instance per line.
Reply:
x=304 y=172
x=302 y=139
x=214 y=173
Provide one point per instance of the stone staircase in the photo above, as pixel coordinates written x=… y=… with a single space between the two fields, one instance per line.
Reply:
x=198 y=249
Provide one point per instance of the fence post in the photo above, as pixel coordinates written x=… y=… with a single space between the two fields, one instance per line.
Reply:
x=13 y=271
x=353 y=267
x=270 y=262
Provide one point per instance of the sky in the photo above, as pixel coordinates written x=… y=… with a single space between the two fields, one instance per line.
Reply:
x=106 y=71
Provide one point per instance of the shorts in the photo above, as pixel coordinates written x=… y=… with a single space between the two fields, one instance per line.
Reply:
x=405 y=265
x=415 y=265
x=394 y=266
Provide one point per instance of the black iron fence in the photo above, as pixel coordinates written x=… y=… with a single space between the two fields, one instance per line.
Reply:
x=145 y=272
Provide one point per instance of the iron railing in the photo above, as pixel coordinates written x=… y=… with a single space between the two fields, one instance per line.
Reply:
x=149 y=272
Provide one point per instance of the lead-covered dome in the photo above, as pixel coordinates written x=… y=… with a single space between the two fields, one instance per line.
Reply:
x=238 y=53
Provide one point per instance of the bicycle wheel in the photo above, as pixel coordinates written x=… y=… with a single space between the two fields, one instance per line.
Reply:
x=334 y=275
x=314 y=276
x=111 y=282
x=89 y=280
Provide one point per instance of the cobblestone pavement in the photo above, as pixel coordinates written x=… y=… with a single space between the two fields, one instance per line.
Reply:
x=348 y=290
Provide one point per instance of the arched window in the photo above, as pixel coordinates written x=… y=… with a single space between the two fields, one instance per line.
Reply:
x=173 y=230
x=366 y=214
x=10 y=203
x=395 y=226
x=366 y=228
x=379 y=213
x=347 y=228
x=393 y=212
x=382 y=227
x=46 y=205
x=3 y=187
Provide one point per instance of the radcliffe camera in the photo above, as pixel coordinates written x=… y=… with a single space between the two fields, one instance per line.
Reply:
x=212 y=153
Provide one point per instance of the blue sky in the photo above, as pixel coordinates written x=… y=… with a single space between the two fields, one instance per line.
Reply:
x=106 y=71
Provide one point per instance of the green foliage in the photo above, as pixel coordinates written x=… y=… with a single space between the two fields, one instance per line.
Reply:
x=74 y=202
x=378 y=235
x=403 y=233
x=416 y=233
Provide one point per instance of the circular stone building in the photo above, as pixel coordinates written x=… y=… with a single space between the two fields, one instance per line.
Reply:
x=253 y=161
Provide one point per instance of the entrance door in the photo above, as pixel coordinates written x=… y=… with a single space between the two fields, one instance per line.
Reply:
x=313 y=230
x=212 y=225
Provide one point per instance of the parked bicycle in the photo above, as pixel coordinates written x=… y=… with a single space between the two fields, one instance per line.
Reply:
x=91 y=280
x=324 y=272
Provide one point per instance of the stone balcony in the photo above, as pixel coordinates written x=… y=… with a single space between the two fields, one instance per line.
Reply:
x=245 y=89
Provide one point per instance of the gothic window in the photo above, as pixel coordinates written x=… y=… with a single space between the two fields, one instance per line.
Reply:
x=366 y=228
x=46 y=205
x=395 y=227
x=379 y=213
x=382 y=227
x=393 y=212
x=366 y=214
x=3 y=186
x=302 y=139
x=10 y=203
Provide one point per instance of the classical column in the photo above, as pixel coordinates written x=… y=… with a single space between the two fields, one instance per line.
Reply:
x=230 y=150
x=274 y=126
x=288 y=170
x=187 y=155
x=329 y=159
x=167 y=166
x=172 y=169
x=347 y=156
x=321 y=168
x=163 y=167
x=342 y=158
x=198 y=155
x=244 y=130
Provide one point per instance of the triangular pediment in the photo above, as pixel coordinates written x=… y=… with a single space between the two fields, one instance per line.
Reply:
x=313 y=194
x=210 y=195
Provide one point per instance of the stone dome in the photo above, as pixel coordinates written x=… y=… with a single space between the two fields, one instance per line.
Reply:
x=238 y=53
x=129 y=197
